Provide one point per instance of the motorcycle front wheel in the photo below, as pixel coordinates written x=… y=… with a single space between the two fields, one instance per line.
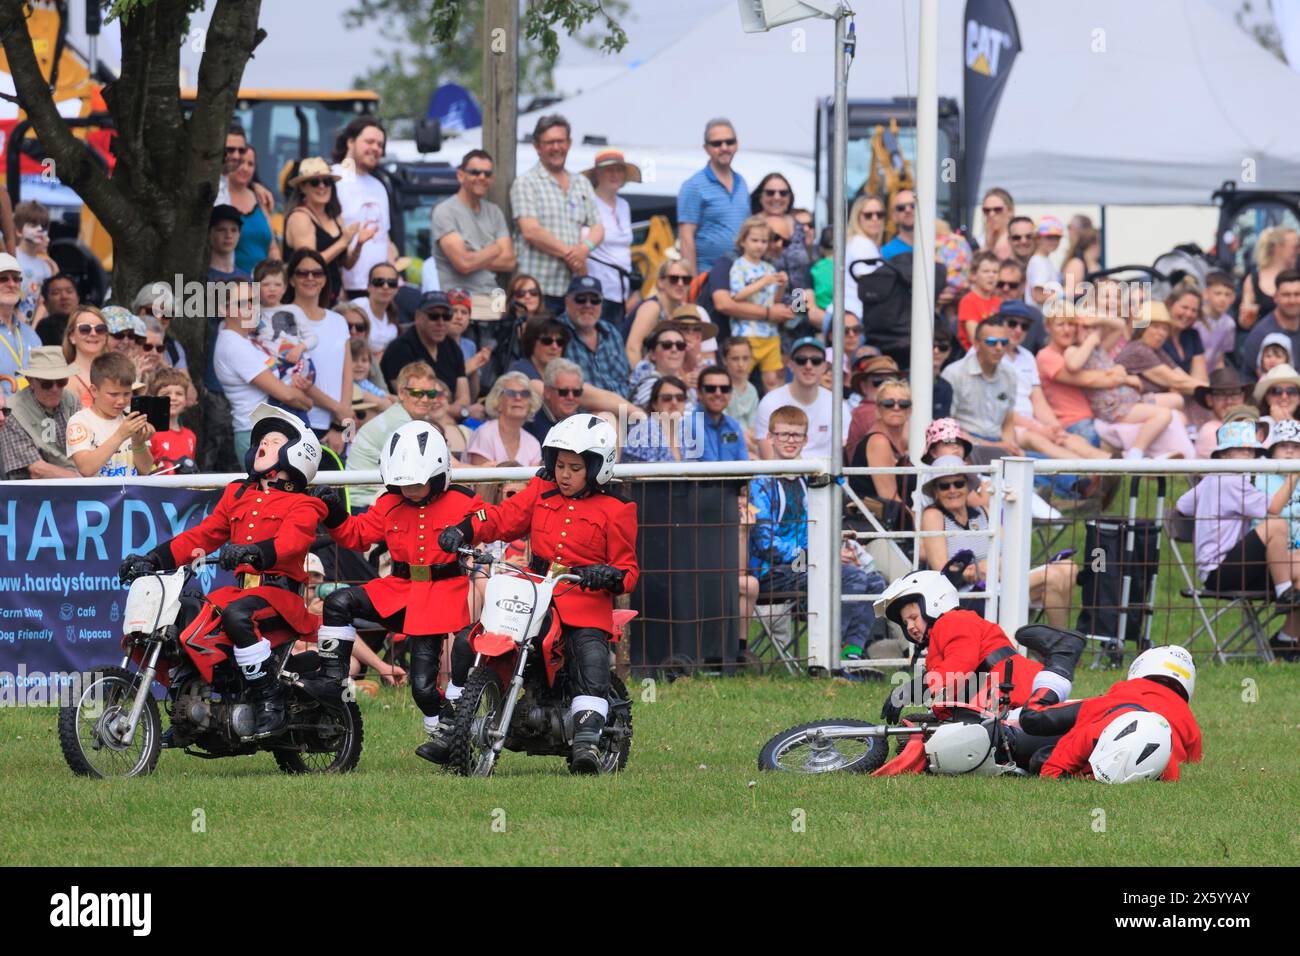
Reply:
x=477 y=712
x=90 y=729
x=334 y=746
x=806 y=749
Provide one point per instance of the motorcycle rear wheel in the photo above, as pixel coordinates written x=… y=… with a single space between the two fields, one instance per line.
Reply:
x=803 y=750
x=477 y=712
x=342 y=751
x=84 y=728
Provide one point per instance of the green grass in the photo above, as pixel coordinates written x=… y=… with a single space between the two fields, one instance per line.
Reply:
x=685 y=798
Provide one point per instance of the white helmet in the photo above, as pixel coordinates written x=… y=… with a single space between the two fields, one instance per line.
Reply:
x=1134 y=746
x=1173 y=662
x=299 y=457
x=589 y=436
x=961 y=748
x=931 y=589
x=414 y=454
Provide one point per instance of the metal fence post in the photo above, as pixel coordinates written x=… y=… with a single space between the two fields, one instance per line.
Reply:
x=823 y=643
x=1017 y=491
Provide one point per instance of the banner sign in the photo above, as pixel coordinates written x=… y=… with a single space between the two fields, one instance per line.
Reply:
x=991 y=41
x=60 y=547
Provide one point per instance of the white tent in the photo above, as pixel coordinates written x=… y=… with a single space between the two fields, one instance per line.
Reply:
x=1110 y=102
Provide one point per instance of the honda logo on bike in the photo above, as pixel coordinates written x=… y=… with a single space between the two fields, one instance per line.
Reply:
x=514 y=606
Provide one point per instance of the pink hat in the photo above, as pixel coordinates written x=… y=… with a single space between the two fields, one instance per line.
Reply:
x=945 y=430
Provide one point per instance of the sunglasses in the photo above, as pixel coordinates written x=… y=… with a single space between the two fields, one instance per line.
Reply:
x=776 y=192
x=719 y=143
x=956 y=483
x=852 y=330
x=586 y=299
x=943 y=348
x=49 y=384
x=993 y=210
x=778 y=239
x=147 y=347
x=881 y=380
x=1284 y=391
x=715 y=389
x=891 y=403
x=236 y=150
x=1021 y=236
x=309 y=273
x=317 y=182
x=1022 y=324
x=429 y=393
x=996 y=343
x=569 y=392
x=437 y=316
x=678 y=280
x=678 y=344
x=1009 y=285
x=516 y=393
x=92 y=329
x=123 y=336
x=552 y=340
x=904 y=206
x=672 y=397
x=528 y=293
x=868 y=214
x=809 y=360
x=478 y=173
x=354 y=329
x=12 y=278
x=383 y=283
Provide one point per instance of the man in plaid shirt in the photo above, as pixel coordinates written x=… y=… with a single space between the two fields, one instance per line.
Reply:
x=551 y=207
x=596 y=346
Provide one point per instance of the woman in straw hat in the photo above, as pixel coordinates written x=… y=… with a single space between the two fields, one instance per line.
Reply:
x=610 y=263
x=1278 y=394
x=315 y=221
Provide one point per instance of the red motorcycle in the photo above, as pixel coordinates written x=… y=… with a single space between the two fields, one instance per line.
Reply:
x=114 y=728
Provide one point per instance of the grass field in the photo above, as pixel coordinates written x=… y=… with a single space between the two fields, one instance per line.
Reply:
x=685 y=798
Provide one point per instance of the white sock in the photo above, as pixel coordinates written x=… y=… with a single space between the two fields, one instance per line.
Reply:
x=453 y=691
x=1054 y=682
x=1284 y=636
x=431 y=723
x=1279 y=590
x=1133 y=454
x=253 y=654
x=599 y=704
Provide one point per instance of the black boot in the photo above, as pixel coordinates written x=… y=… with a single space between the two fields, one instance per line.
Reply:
x=267 y=697
x=334 y=646
x=438 y=747
x=585 y=756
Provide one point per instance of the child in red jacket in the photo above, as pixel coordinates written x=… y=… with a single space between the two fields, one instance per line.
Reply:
x=571 y=520
x=427 y=595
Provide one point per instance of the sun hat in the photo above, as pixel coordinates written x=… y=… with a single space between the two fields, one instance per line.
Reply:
x=361 y=399
x=873 y=365
x=313 y=167
x=943 y=461
x=1051 y=226
x=1152 y=312
x=693 y=316
x=1282 y=374
x=1223 y=379
x=945 y=430
x=118 y=319
x=1237 y=434
x=613 y=157
x=47 y=364
x=1287 y=430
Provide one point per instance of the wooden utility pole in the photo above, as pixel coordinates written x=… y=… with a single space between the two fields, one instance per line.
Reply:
x=501 y=94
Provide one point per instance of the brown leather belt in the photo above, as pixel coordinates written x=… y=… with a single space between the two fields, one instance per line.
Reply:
x=425 y=572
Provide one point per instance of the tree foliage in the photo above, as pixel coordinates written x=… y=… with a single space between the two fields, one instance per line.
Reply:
x=441 y=41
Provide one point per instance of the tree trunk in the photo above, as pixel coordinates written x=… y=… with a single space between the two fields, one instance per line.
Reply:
x=157 y=203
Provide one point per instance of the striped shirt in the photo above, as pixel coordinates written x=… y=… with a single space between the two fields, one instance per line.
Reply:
x=562 y=213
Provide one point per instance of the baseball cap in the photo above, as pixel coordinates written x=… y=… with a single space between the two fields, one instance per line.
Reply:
x=8 y=263
x=433 y=300
x=223 y=212
x=808 y=341
x=1051 y=226
x=583 y=284
x=312 y=564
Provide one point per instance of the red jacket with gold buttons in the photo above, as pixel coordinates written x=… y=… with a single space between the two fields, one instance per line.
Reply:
x=282 y=523
x=599 y=528
x=411 y=531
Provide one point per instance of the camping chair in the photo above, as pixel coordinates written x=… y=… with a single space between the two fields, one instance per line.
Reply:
x=780 y=615
x=1253 y=605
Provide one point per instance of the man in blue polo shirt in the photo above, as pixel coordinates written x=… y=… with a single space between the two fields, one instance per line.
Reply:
x=905 y=220
x=714 y=202
x=724 y=437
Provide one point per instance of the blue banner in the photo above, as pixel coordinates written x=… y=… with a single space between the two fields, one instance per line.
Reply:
x=60 y=547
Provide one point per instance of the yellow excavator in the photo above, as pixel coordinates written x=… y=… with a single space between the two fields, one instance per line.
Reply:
x=890 y=170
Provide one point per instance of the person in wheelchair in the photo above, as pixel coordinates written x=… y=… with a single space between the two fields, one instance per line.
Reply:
x=427 y=595
x=264 y=524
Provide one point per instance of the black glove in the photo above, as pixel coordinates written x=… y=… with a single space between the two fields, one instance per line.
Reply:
x=601 y=577
x=233 y=555
x=337 y=512
x=137 y=565
x=913 y=692
x=453 y=537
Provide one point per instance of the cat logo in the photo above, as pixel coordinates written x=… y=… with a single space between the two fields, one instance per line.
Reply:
x=984 y=45
x=513 y=606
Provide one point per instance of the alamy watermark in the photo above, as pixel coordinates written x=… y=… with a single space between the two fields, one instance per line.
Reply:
x=26 y=688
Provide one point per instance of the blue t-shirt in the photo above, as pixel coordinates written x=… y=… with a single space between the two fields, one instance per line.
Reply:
x=718 y=214
x=894 y=247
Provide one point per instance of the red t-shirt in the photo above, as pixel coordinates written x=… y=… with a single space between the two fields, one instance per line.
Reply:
x=171 y=446
x=972 y=308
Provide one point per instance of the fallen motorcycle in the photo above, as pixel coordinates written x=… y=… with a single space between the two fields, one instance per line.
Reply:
x=114 y=728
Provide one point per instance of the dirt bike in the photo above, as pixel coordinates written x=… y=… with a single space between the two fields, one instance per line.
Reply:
x=964 y=738
x=517 y=696
x=114 y=728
